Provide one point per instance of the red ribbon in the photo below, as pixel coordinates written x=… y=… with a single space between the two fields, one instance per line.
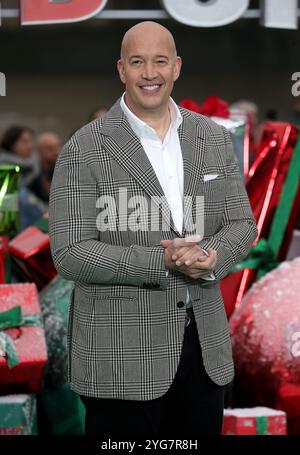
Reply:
x=212 y=106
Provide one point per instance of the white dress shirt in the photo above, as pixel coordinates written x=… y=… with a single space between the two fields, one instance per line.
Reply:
x=166 y=159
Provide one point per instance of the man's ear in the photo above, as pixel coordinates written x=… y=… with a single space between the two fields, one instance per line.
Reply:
x=177 y=68
x=121 y=70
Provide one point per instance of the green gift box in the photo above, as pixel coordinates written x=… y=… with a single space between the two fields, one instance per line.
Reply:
x=18 y=415
x=63 y=411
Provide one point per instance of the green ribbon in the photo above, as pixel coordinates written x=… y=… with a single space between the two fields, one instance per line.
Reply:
x=15 y=318
x=261 y=258
x=262 y=425
x=264 y=255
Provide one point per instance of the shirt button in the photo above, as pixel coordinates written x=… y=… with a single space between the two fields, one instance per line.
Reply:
x=180 y=304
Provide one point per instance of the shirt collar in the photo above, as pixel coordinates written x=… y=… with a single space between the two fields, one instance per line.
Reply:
x=140 y=127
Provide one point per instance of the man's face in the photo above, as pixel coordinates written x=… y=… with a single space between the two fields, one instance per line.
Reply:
x=149 y=68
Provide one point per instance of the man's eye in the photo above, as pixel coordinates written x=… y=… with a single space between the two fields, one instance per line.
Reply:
x=161 y=61
x=135 y=62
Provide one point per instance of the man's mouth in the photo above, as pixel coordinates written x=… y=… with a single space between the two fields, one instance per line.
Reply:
x=150 y=88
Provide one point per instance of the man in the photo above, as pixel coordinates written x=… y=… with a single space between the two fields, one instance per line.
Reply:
x=149 y=344
x=48 y=146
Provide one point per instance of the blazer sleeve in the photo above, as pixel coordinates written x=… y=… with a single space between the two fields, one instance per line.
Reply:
x=234 y=240
x=77 y=252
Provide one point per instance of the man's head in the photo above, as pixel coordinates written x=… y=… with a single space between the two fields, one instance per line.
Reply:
x=148 y=67
x=48 y=146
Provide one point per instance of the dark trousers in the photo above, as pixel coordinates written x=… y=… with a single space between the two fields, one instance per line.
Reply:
x=192 y=406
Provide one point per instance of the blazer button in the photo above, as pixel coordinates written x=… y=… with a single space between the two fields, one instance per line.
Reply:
x=180 y=304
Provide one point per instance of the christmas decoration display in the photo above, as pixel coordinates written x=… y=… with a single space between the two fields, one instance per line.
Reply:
x=235 y=122
x=31 y=256
x=23 y=352
x=266 y=341
x=254 y=421
x=5 y=274
x=276 y=172
x=63 y=410
x=18 y=415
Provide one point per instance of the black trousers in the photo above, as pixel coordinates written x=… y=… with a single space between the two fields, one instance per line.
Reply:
x=192 y=406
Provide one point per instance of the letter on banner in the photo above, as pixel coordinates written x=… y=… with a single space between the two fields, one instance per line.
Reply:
x=280 y=14
x=58 y=11
x=206 y=14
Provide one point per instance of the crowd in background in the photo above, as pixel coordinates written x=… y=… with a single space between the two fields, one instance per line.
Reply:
x=36 y=158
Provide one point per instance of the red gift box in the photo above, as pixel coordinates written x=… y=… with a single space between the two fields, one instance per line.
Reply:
x=3 y=257
x=30 y=252
x=264 y=185
x=29 y=341
x=254 y=421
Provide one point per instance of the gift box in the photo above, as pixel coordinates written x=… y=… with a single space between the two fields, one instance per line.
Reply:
x=9 y=202
x=62 y=410
x=274 y=193
x=5 y=275
x=18 y=415
x=31 y=256
x=238 y=127
x=234 y=121
x=54 y=302
x=254 y=421
x=23 y=352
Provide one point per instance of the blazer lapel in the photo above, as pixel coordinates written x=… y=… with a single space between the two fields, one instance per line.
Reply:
x=192 y=140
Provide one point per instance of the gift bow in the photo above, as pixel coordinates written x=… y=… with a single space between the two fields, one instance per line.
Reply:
x=212 y=106
x=261 y=257
x=15 y=318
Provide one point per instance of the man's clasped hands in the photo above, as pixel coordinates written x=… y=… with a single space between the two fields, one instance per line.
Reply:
x=187 y=256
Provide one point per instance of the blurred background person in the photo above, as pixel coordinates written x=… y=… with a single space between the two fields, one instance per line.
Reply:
x=48 y=146
x=97 y=113
x=17 y=148
x=252 y=112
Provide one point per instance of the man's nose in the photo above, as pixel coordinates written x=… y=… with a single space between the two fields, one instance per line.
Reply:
x=149 y=71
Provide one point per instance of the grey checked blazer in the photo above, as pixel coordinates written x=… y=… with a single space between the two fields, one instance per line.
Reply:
x=126 y=319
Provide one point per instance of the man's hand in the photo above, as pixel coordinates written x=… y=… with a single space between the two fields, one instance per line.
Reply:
x=186 y=256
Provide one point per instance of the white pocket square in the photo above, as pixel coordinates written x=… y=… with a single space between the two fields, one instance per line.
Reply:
x=209 y=177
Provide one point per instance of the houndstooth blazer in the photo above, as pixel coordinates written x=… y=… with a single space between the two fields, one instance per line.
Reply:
x=126 y=318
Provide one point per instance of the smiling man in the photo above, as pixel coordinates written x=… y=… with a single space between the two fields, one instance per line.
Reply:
x=148 y=338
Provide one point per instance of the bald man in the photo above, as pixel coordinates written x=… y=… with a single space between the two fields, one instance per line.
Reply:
x=148 y=338
x=48 y=146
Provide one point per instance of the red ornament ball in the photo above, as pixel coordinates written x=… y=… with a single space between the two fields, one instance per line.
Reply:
x=265 y=332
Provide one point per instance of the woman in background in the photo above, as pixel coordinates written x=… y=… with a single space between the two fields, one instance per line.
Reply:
x=16 y=148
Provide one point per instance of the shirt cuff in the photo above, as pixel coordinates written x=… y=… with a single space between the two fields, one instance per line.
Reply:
x=211 y=276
